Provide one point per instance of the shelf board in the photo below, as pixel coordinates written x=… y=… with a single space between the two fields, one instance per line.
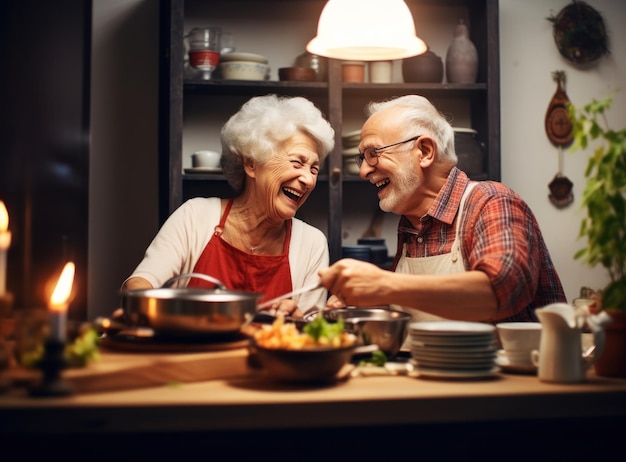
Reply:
x=253 y=87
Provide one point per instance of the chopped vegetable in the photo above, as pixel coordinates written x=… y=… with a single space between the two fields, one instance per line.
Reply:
x=378 y=359
x=285 y=335
x=320 y=328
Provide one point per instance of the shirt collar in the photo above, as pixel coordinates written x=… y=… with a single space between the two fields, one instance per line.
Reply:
x=446 y=204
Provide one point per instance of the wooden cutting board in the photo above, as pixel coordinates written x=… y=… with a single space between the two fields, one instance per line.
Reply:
x=129 y=370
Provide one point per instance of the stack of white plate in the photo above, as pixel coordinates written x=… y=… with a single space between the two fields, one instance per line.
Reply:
x=453 y=349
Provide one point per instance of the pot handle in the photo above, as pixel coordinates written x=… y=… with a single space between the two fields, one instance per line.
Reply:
x=206 y=277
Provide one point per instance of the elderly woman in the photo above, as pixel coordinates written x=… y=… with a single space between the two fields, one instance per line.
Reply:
x=272 y=151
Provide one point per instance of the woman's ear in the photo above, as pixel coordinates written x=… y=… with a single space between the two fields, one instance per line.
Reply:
x=248 y=166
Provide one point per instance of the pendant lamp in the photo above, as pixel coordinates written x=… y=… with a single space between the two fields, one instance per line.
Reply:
x=366 y=30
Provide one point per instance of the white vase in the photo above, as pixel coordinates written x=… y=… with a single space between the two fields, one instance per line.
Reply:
x=461 y=57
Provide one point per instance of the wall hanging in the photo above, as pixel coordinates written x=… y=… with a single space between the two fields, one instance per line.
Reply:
x=579 y=33
x=559 y=130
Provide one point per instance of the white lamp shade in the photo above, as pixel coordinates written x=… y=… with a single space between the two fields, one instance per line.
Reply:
x=366 y=30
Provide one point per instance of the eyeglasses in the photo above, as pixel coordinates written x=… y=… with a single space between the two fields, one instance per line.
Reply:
x=371 y=155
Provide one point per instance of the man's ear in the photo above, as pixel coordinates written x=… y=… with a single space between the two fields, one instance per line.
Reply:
x=427 y=149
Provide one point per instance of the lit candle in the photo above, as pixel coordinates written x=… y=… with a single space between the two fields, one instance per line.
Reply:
x=59 y=302
x=5 y=242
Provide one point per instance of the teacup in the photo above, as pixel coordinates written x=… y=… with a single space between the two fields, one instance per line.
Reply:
x=210 y=159
x=518 y=340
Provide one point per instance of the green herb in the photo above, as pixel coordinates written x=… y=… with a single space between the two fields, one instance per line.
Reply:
x=84 y=348
x=320 y=328
x=378 y=359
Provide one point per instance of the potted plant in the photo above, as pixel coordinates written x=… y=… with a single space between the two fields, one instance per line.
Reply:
x=604 y=226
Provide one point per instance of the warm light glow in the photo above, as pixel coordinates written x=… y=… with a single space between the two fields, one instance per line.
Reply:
x=63 y=289
x=4 y=217
x=366 y=30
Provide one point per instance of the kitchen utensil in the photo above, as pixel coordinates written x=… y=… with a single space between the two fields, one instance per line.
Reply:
x=559 y=130
x=519 y=339
x=560 y=357
x=190 y=311
x=381 y=326
x=302 y=290
x=204 y=49
x=310 y=365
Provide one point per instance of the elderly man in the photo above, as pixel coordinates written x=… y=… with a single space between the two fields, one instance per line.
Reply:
x=467 y=250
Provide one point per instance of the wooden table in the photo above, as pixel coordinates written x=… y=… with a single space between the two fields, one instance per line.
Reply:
x=448 y=417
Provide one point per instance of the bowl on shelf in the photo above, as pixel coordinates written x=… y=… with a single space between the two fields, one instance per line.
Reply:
x=243 y=70
x=349 y=165
x=241 y=56
x=306 y=74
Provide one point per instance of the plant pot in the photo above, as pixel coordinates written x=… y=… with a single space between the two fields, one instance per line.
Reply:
x=612 y=361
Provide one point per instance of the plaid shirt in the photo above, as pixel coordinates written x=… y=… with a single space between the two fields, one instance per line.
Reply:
x=499 y=236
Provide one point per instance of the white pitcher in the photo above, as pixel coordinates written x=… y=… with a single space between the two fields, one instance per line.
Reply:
x=560 y=357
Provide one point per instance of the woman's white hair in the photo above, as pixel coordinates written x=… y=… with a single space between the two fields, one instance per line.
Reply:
x=422 y=118
x=262 y=124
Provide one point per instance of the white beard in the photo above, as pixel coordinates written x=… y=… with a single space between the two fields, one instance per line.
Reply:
x=400 y=191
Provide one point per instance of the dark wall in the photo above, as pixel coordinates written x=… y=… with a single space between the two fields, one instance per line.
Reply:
x=44 y=144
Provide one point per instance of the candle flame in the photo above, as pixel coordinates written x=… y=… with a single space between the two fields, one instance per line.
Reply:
x=63 y=289
x=4 y=217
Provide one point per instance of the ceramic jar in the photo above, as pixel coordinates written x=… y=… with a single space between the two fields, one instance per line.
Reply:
x=353 y=71
x=380 y=71
x=424 y=68
x=461 y=57
x=318 y=63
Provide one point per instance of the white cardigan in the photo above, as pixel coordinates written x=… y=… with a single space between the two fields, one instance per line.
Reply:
x=181 y=240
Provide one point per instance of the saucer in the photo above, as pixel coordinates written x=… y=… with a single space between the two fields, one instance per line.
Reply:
x=503 y=363
x=203 y=170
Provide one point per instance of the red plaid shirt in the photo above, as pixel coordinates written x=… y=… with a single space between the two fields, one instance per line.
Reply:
x=499 y=236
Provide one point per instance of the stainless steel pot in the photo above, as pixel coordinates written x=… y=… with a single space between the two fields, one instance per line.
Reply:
x=190 y=311
x=381 y=326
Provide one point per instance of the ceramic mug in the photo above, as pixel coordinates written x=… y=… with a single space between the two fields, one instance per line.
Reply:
x=518 y=340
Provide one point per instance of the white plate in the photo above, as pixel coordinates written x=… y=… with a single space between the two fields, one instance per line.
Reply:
x=465 y=352
x=458 y=358
x=503 y=363
x=448 y=374
x=451 y=328
x=455 y=365
x=453 y=341
x=203 y=170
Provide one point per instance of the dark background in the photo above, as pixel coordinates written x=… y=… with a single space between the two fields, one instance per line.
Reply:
x=44 y=145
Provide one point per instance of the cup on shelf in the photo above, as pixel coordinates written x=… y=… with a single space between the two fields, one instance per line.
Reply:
x=518 y=340
x=206 y=159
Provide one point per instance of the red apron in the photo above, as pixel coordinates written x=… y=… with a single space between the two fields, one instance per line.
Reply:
x=238 y=270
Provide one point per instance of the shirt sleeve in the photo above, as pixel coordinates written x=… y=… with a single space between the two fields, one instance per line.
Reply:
x=505 y=244
x=308 y=253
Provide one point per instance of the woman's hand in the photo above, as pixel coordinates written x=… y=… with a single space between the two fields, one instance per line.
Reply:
x=287 y=308
x=335 y=302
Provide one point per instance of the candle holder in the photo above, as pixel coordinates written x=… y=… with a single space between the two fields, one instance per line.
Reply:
x=52 y=365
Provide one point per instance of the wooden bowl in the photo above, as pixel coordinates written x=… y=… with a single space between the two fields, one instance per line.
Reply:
x=306 y=74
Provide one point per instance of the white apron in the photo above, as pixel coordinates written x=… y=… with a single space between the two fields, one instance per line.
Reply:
x=446 y=263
